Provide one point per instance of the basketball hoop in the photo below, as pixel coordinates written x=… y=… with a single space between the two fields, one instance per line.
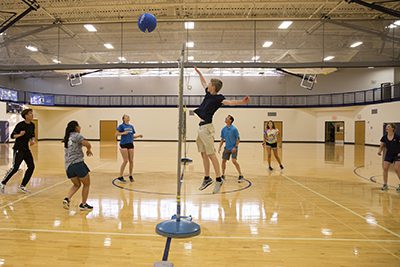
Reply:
x=308 y=81
x=74 y=79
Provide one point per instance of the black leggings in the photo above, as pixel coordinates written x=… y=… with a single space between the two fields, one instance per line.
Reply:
x=19 y=156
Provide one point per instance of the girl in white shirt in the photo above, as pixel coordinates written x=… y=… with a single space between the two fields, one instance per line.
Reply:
x=271 y=137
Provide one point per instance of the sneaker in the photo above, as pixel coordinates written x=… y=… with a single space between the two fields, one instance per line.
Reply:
x=223 y=177
x=85 y=206
x=385 y=187
x=240 y=179
x=131 y=179
x=205 y=184
x=2 y=188
x=398 y=189
x=217 y=187
x=23 y=189
x=281 y=166
x=121 y=179
x=66 y=202
x=270 y=168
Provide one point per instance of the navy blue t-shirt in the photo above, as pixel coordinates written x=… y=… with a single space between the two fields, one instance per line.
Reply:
x=211 y=103
x=392 y=146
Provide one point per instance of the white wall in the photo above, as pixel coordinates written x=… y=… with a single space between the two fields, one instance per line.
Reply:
x=344 y=80
x=13 y=119
x=161 y=123
x=388 y=112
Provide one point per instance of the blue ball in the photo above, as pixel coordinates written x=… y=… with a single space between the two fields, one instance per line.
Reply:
x=147 y=22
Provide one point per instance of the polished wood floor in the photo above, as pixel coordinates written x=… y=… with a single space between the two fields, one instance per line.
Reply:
x=322 y=210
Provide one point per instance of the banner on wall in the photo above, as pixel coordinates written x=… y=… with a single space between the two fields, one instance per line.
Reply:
x=39 y=99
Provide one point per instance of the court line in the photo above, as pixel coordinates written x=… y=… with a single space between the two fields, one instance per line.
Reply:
x=31 y=194
x=40 y=191
x=202 y=236
x=338 y=204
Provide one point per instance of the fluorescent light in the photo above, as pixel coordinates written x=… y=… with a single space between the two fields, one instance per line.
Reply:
x=370 y=67
x=255 y=58
x=392 y=26
x=189 y=25
x=191 y=58
x=189 y=44
x=397 y=22
x=2 y=33
x=90 y=27
x=285 y=24
x=329 y=58
x=356 y=44
x=109 y=46
x=56 y=61
x=267 y=43
x=31 y=48
x=121 y=58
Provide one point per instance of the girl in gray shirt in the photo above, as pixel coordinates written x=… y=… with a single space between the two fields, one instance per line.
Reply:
x=77 y=170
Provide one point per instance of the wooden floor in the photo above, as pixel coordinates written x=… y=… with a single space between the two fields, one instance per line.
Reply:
x=320 y=211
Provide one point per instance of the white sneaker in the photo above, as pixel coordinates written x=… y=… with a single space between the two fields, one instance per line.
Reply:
x=2 y=188
x=217 y=187
x=398 y=189
x=385 y=187
x=23 y=189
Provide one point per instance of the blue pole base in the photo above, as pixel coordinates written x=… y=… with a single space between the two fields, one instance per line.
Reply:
x=178 y=229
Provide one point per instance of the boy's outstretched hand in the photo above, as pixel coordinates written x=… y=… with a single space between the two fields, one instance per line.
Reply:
x=246 y=99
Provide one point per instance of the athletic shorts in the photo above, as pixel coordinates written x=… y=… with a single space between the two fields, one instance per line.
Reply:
x=273 y=145
x=128 y=146
x=391 y=158
x=227 y=154
x=205 y=139
x=79 y=170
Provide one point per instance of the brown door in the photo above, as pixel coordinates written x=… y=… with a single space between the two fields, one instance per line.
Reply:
x=36 y=123
x=107 y=130
x=279 y=126
x=339 y=131
x=359 y=131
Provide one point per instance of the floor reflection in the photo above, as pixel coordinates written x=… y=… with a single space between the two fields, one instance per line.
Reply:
x=334 y=153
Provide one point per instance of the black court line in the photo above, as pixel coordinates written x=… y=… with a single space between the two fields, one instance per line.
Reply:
x=249 y=183
x=371 y=179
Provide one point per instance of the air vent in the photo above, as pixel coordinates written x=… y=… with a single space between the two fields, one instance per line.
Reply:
x=374 y=111
x=271 y=114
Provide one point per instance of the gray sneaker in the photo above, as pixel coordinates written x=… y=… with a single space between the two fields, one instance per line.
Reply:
x=205 y=183
x=217 y=187
x=2 y=188
x=385 y=187
x=240 y=179
x=23 y=189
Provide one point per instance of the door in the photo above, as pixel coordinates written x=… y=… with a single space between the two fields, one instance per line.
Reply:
x=334 y=132
x=36 y=123
x=359 y=131
x=339 y=132
x=107 y=130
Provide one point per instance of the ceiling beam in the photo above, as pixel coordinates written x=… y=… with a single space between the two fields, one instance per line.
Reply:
x=14 y=68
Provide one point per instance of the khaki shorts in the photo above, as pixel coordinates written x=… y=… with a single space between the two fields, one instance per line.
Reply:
x=205 y=139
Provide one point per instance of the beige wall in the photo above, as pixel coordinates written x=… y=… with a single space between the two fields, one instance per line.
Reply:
x=161 y=123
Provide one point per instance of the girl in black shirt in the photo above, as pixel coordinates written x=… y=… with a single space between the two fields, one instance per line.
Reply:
x=390 y=141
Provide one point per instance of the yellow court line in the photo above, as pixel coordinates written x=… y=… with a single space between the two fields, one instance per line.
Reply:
x=204 y=236
x=338 y=204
